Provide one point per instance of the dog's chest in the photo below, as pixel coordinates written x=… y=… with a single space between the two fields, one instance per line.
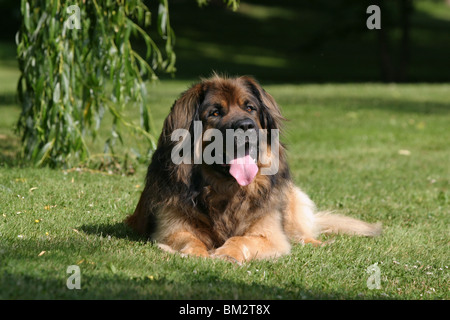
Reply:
x=229 y=215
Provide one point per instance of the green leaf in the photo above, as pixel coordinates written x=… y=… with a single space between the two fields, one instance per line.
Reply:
x=56 y=93
x=44 y=153
x=25 y=7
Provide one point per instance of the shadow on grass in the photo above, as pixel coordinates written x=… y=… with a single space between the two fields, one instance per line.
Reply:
x=42 y=284
x=9 y=150
x=351 y=103
x=108 y=286
x=8 y=99
x=26 y=275
x=117 y=230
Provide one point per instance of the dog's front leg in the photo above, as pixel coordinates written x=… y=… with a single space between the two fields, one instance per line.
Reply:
x=265 y=239
x=176 y=234
x=185 y=243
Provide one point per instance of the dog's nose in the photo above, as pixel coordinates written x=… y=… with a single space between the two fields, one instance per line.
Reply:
x=245 y=124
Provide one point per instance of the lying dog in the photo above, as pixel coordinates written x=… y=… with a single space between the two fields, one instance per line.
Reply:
x=229 y=209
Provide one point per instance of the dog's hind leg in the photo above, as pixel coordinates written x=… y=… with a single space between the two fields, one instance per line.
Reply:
x=299 y=219
x=303 y=224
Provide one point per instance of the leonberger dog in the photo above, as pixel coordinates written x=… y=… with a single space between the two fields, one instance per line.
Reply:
x=229 y=210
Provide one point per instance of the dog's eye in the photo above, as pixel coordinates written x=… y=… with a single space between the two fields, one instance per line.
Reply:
x=214 y=113
x=250 y=108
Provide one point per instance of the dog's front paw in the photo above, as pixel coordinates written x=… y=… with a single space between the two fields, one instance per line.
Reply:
x=232 y=252
x=314 y=242
x=195 y=251
x=226 y=257
x=188 y=250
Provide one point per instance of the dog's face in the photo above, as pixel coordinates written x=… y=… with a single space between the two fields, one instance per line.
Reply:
x=237 y=105
x=230 y=107
x=232 y=110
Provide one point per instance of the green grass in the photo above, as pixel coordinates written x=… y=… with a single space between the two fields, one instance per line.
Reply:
x=344 y=149
x=372 y=151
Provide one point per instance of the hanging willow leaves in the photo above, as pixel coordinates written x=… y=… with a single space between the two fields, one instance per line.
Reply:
x=78 y=64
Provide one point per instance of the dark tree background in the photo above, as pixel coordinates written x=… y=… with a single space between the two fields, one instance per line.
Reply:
x=301 y=40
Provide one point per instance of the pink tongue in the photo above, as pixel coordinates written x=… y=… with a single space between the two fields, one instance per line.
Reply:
x=243 y=169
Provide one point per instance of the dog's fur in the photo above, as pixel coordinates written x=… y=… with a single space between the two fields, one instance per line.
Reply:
x=197 y=210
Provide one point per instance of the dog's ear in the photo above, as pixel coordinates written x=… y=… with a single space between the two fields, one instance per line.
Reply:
x=273 y=162
x=270 y=115
x=184 y=111
x=182 y=115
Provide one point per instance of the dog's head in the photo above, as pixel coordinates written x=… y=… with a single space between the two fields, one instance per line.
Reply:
x=225 y=123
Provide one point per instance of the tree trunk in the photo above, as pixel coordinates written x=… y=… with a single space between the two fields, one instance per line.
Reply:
x=387 y=69
x=406 y=7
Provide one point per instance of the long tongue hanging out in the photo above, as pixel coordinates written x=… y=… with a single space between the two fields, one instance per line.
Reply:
x=243 y=169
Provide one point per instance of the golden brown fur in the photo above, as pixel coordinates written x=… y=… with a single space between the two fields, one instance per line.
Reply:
x=197 y=210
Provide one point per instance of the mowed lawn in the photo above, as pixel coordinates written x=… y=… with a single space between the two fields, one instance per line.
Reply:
x=373 y=151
